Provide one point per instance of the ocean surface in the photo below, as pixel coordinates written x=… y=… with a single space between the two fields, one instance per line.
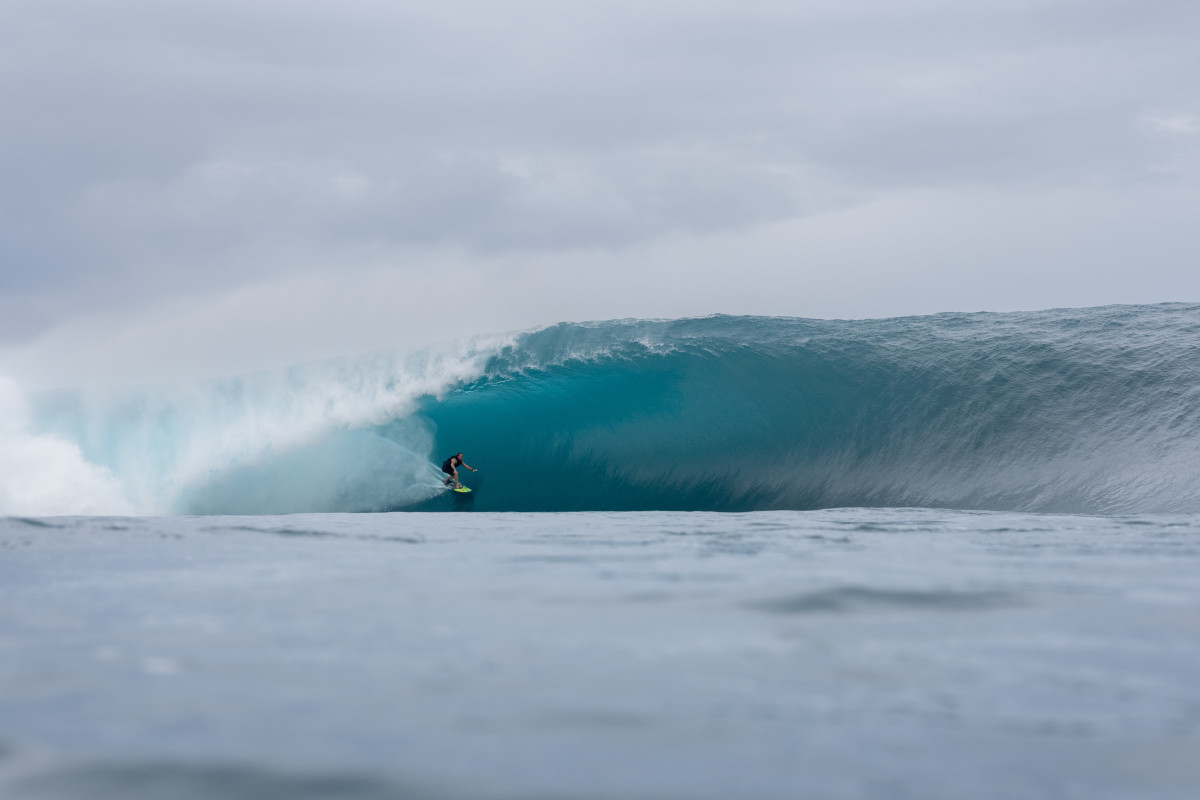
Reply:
x=847 y=653
x=953 y=556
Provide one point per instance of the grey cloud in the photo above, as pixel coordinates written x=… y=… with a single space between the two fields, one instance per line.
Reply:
x=148 y=145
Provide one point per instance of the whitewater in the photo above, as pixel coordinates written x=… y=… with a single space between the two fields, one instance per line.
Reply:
x=930 y=557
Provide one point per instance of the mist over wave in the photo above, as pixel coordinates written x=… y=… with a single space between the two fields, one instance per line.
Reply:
x=297 y=439
x=1091 y=411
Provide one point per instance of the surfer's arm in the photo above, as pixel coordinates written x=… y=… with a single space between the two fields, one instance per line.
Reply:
x=468 y=466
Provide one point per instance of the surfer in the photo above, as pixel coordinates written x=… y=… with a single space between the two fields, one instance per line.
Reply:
x=450 y=467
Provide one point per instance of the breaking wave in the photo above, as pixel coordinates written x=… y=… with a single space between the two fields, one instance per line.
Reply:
x=1089 y=411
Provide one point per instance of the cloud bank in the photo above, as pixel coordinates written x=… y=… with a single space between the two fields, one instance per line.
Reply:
x=200 y=189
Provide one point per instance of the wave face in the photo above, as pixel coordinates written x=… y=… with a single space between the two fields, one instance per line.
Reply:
x=1087 y=411
x=1095 y=410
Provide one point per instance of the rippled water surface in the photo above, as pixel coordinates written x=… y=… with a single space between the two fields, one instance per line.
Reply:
x=832 y=654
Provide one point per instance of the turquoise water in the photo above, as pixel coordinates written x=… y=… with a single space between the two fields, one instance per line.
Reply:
x=1092 y=411
x=1080 y=411
x=846 y=653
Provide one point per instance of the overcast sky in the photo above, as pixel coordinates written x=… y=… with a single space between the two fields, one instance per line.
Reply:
x=194 y=188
